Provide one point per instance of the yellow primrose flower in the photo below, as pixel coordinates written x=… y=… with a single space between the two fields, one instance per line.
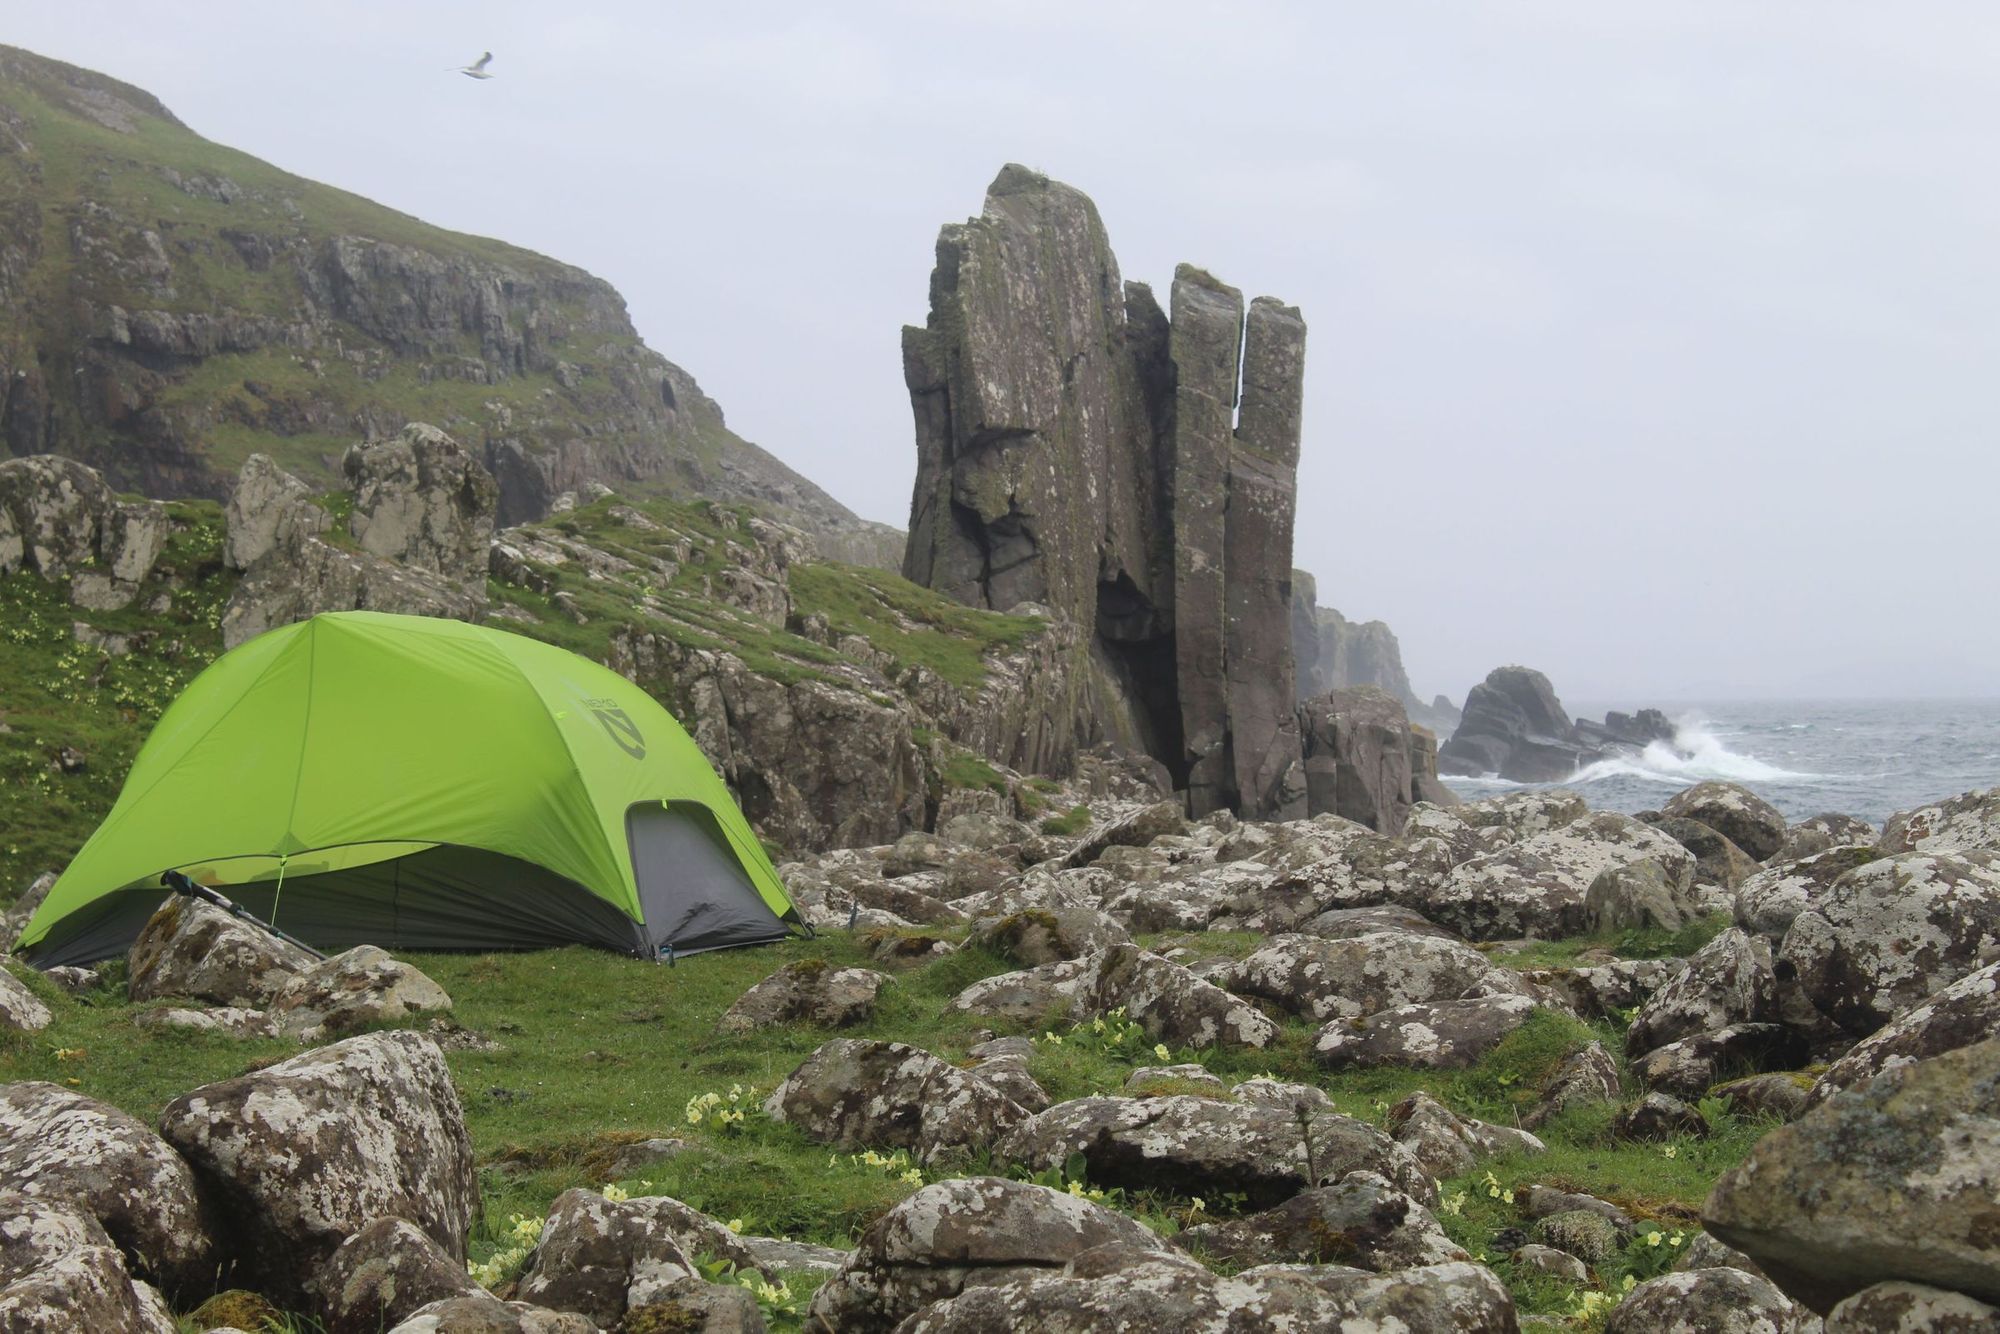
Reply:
x=1161 y=1051
x=1671 y=1151
x=1629 y=1283
x=614 y=1192
x=1653 y=1238
x=734 y=1225
x=1195 y=1205
x=913 y=1177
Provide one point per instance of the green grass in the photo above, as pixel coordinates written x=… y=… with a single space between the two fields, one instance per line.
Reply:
x=1072 y=821
x=913 y=625
x=1648 y=943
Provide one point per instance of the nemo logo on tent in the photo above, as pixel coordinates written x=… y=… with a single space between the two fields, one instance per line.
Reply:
x=619 y=725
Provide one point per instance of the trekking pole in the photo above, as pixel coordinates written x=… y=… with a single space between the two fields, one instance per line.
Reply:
x=181 y=884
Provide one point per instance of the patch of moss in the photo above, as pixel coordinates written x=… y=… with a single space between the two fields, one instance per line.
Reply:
x=1072 y=821
x=966 y=770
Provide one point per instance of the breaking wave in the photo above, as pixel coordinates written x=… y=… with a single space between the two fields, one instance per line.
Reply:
x=1695 y=755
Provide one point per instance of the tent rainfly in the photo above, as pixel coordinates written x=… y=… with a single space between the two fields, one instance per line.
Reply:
x=362 y=778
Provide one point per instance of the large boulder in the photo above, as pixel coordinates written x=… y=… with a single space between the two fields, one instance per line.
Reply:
x=59 y=1146
x=604 y=1258
x=960 y=1233
x=1713 y=1301
x=304 y=1153
x=189 y=947
x=1831 y=829
x=385 y=1272
x=1513 y=726
x=1200 y=1146
x=1959 y=1015
x=62 y=520
x=1908 y=1308
x=21 y=1011
x=1513 y=816
x=423 y=500
x=1360 y=1220
x=1358 y=765
x=1734 y=811
x=1717 y=859
x=268 y=510
x=1540 y=886
x=1165 y=999
x=353 y=990
x=1323 y=979
x=1893 y=1180
x=1891 y=932
x=1122 y=1294
x=59 y=1272
x=854 y=1093
x=1730 y=980
x=1162 y=819
x=1035 y=936
x=1446 y=1144
x=484 y=1314
x=1436 y=1035
x=1771 y=900
x=806 y=991
x=1970 y=822
x=1690 y=1066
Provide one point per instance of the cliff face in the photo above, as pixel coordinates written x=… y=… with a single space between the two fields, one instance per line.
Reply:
x=1130 y=469
x=169 y=306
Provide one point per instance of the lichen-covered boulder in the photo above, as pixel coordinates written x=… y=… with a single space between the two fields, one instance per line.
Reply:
x=854 y=1093
x=699 y=1307
x=1714 y=1301
x=1360 y=1220
x=1540 y=885
x=1200 y=1146
x=963 y=1232
x=489 y=1315
x=1961 y=1014
x=1602 y=990
x=1357 y=869
x=1160 y=820
x=1769 y=901
x=1964 y=823
x=59 y=1272
x=1446 y=1144
x=1120 y=1294
x=60 y=1146
x=1734 y=811
x=1169 y=1002
x=1520 y=815
x=1443 y=1035
x=227 y=1020
x=21 y=1011
x=1689 y=1067
x=192 y=948
x=423 y=499
x=1658 y=1116
x=1818 y=833
x=1892 y=1180
x=1889 y=933
x=62 y=520
x=603 y=1258
x=1728 y=981
x=383 y=1273
x=305 y=1153
x=354 y=990
x=1637 y=896
x=1322 y=979
x=1912 y=1308
x=1586 y=1076
x=1035 y=936
x=1779 y=1096
x=806 y=991
x=1717 y=859
x=1590 y=1237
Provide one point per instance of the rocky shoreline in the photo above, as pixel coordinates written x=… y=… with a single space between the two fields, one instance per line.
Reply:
x=1842 y=1006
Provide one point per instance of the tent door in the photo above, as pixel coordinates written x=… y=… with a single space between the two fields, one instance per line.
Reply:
x=694 y=893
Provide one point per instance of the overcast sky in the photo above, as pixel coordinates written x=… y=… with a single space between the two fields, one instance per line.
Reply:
x=1654 y=345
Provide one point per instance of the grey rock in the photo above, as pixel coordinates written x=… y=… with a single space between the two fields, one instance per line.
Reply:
x=21 y=1011
x=1725 y=1301
x=1966 y=823
x=1162 y=819
x=1781 y=1096
x=1148 y=1077
x=85 y=1288
x=76 y=981
x=806 y=991
x=1734 y=811
x=604 y=1258
x=1718 y=861
x=60 y=519
x=1539 y=886
x=852 y=1093
x=194 y=949
x=490 y=1315
x=1911 y=1308
x=1361 y=1220
x=1548 y=1260
x=1514 y=726
x=1891 y=932
x=352 y=990
x=304 y=1153
x=384 y=1272
x=970 y=1231
x=776 y=1254
x=1607 y=990
x=228 y=1020
x=1728 y=981
x=701 y=1307
x=1519 y=815
x=1658 y=1116
x=1036 y=936
x=1546 y=1201
x=1358 y=760
x=1688 y=1068
x=1637 y=896
x=1169 y=1002
x=1892 y=1180
x=1436 y=1035
x=1959 y=1015
x=1202 y=1146
x=421 y=499
x=76 y=1153
x=1447 y=1144
x=1321 y=979
x=1582 y=1233
x=1769 y=901
x=1817 y=834
x=1584 y=1077
x=269 y=510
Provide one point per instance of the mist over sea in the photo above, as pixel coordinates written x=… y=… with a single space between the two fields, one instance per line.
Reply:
x=1862 y=757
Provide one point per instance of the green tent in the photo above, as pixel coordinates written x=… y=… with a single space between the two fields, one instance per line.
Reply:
x=422 y=784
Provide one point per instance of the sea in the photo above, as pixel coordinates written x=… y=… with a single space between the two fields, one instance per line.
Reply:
x=1868 y=758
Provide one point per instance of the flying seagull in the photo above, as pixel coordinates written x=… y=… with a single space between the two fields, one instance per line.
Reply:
x=477 y=69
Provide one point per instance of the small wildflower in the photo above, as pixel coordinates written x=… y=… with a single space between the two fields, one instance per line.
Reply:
x=734 y=1225
x=1195 y=1205
x=912 y=1178
x=614 y=1192
x=1629 y=1283
x=1671 y=1151
x=1653 y=1238
x=1160 y=1050
x=68 y=1053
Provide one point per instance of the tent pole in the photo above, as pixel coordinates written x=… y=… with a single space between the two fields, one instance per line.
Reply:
x=181 y=884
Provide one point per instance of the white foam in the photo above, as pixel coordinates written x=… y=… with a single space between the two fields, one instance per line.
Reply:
x=1696 y=754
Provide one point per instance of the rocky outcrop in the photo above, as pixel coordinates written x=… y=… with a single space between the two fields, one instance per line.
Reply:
x=857 y=1094
x=1134 y=473
x=807 y=991
x=422 y=500
x=191 y=948
x=1365 y=761
x=304 y=1153
x=61 y=520
x=180 y=308
x=1514 y=726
